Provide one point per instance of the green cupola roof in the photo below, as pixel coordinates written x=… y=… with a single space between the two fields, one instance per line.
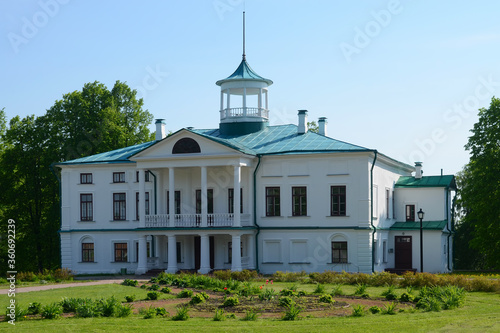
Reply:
x=242 y=73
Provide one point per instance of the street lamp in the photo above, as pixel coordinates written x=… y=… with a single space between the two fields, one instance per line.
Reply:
x=421 y=214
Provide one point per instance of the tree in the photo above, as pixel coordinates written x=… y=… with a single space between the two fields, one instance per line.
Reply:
x=480 y=187
x=312 y=127
x=83 y=123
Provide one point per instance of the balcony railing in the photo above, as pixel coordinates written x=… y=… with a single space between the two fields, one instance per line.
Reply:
x=244 y=112
x=194 y=220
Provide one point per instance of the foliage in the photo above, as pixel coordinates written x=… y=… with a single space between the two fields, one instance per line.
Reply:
x=199 y=298
x=437 y=298
x=267 y=294
x=390 y=309
x=108 y=307
x=123 y=311
x=130 y=298
x=358 y=311
x=34 y=308
x=285 y=301
x=182 y=314
x=131 y=283
x=148 y=313
x=292 y=313
x=186 y=293
x=390 y=293
x=289 y=276
x=166 y=290
x=337 y=290
x=406 y=297
x=479 y=186
x=250 y=315
x=219 y=315
x=51 y=311
x=375 y=309
x=231 y=301
x=326 y=298
x=71 y=304
x=153 y=295
x=360 y=289
x=154 y=286
x=320 y=289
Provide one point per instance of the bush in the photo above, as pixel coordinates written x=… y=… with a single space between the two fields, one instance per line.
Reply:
x=358 y=311
x=152 y=295
x=389 y=309
x=88 y=310
x=244 y=275
x=289 y=276
x=406 y=297
x=34 y=308
x=292 y=313
x=223 y=275
x=219 y=315
x=182 y=313
x=71 y=304
x=267 y=295
x=375 y=309
x=186 y=293
x=51 y=311
x=26 y=277
x=161 y=312
x=198 y=298
x=326 y=298
x=250 y=315
x=166 y=290
x=107 y=307
x=148 y=313
x=130 y=298
x=154 y=286
x=360 y=289
x=123 y=311
x=231 y=301
x=337 y=290
x=285 y=301
x=390 y=294
x=144 y=286
x=63 y=274
x=320 y=289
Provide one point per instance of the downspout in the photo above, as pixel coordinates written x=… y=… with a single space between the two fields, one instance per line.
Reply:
x=255 y=214
x=371 y=210
x=450 y=231
x=155 y=193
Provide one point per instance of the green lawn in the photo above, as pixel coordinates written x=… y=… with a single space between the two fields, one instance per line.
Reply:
x=481 y=313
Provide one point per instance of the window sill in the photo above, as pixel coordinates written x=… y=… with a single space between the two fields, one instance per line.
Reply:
x=299 y=263
x=118 y=183
x=119 y=220
x=120 y=262
x=86 y=221
x=273 y=263
x=338 y=263
x=88 y=262
x=294 y=216
x=85 y=184
x=272 y=217
x=338 y=216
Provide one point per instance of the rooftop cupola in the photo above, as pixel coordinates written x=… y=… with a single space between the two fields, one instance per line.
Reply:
x=244 y=104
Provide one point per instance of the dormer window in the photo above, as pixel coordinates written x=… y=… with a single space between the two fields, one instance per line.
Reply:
x=186 y=146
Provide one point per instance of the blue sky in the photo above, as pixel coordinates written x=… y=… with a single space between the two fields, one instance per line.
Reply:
x=403 y=77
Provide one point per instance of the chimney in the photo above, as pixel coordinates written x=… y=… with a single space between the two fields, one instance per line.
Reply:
x=160 y=129
x=322 y=126
x=302 y=122
x=418 y=170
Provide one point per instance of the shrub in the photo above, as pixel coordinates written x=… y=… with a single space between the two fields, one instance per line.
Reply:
x=182 y=313
x=337 y=290
x=144 y=286
x=219 y=315
x=244 y=275
x=375 y=309
x=223 y=275
x=166 y=290
x=231 y=301
x=289 y=276
x=63 y=274
x=71 y=304
x=107 y=307
x=87 y=310
x=148 y=313
x=130 y=298
x=152 y=295
x=27 y=277
x=320 y=289
x=267 y=295
x=34 y=308
x=289 y=291
x=389 y=309
x=406 y=297
x=285 y=301
x=123 y=310
x=154 y=286
x=360 y=289
x=231 y=316
x=326 y=298
x=248 y=289
x=250 y=315
x=390 y=294
x=186 y=293
x=161 y=312
x=292 y=313
x=130 y=283
x=198 y=298
x=358 y=311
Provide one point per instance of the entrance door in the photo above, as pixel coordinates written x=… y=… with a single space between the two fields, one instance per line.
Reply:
x=403 y=252
x=197 y=252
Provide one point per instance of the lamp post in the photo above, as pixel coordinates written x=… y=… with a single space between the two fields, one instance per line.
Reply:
x=421 y=214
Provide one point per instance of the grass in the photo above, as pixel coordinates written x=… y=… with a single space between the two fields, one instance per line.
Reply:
x=479 y=314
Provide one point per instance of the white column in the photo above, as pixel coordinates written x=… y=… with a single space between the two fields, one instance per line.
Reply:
x=260 y=102
x=267 y=100
x=204 y=254
x=142 y=260
x=157 y=246
x=172 y=255
x=221 y=102
x=142 y=204
x=251 y=251
x=237 y=196
x=228 y=103
x=171 y=199
x=204 y=209
x=236 y=254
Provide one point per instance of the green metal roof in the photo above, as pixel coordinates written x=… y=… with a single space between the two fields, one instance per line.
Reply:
x=280 y=139
x=115 y=156
x=244 y=72
x=447 y=181
x=426 y=225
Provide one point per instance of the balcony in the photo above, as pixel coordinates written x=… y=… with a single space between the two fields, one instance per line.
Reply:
x=244 y=112
x=194 y=220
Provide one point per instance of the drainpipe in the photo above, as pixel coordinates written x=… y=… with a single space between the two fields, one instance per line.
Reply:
x=156 y=199
x=255 y=214
x=451 y=231
x=371 y=210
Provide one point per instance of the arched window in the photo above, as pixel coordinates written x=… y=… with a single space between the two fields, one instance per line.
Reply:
x=186 y=146
x=87 y=245
x=339 y=250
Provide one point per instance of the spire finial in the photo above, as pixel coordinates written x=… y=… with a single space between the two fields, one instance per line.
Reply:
x=244 y=56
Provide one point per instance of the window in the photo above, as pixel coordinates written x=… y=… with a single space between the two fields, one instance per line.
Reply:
x=273 y=201
x=137 y=206
x=121 y=252
x=178 y=250
x=146 y=202
x=177 y=202
x=384 y=251
x=85 y=178
x=88 y=252
x=299 y=201
x=339 y=252
x=298 y=251
x=338 y=201
x=271 y=251
x=119 y=206
x=230 y=200
x=118 y=177
x=387 y=192
x=410 y=213
x=186 y=146
x=393 y=206
x=146 y=176
x=86 y=207
x=210 y=201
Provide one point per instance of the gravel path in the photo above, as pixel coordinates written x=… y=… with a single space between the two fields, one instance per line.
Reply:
x=68 y=285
